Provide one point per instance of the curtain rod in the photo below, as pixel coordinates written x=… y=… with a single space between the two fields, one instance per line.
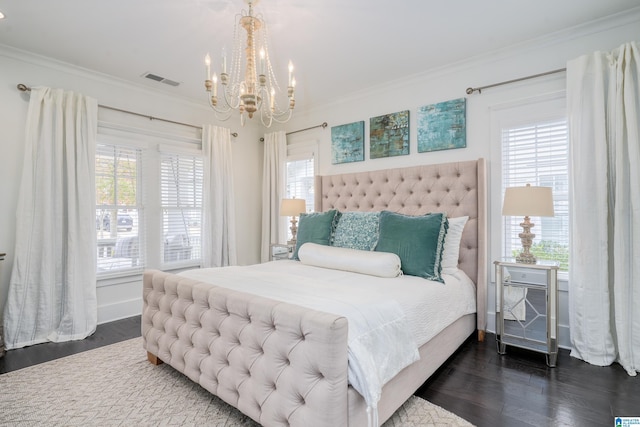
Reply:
x=470 y=90
x=323 y=125
x=24 y=88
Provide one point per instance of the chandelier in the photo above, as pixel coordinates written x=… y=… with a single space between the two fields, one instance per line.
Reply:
x=254 y=90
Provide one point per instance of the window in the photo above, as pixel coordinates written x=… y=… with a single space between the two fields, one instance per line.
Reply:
x=148 y=200
x=300 y=181
x=300 y=174
x=181 y=189
x=537 y=153
x=118 y=208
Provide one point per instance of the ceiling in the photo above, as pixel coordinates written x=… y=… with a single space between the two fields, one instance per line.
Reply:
x=338 y=46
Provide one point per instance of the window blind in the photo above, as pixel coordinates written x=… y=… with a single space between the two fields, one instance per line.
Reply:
x=538 y=154
x=181 y=180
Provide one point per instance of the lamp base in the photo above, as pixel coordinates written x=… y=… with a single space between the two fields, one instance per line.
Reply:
x=526 y=258
x=526 y=237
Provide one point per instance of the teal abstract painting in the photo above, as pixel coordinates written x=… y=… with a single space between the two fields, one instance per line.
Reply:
x=347 y=143
x=442 y=126
x=389 y=135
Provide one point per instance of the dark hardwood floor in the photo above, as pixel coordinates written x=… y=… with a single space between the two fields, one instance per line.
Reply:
x=108 y=333
x=519 y=389
x=476 y=383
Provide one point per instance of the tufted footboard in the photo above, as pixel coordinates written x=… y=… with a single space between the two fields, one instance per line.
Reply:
x=278 y=363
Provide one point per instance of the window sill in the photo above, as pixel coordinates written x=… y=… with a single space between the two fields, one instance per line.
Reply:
x=110 y=279
x=135 y=275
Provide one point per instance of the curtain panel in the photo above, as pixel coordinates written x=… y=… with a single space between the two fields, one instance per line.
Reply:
x=52 y=290
x=273 y=182
x=219 y=224
x=603 y=99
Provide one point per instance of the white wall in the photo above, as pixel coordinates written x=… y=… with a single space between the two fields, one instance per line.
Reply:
x=117 y=299
x=549 y=53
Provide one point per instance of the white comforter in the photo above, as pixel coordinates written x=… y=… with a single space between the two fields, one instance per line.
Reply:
x=388 y=317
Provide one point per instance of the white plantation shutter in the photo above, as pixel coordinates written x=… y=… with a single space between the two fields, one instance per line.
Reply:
x=537 y=153
x=181 y=177
x=300 y=181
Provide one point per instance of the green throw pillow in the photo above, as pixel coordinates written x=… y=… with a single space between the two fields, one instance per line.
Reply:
x=316 y=228
x=417 y=240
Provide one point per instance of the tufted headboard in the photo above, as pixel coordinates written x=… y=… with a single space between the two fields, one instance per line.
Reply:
x=457 y=189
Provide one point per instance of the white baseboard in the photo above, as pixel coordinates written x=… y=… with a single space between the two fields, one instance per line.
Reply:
x=119 y=310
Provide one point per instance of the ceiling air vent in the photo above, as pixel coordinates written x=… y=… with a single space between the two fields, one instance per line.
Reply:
x=161 y=79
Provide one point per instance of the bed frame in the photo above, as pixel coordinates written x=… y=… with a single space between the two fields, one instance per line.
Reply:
x=283 y=364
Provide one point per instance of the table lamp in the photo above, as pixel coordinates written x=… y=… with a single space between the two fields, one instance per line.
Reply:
x=527 y=201
x=292 y=208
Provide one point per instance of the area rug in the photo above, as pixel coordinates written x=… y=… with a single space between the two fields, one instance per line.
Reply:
x=116 y=386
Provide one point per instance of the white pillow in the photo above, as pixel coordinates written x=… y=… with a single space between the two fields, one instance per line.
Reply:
x=451 y=251
x=381 y=264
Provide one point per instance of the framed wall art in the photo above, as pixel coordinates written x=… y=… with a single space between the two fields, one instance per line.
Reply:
x=389 y=135
x=442 y=126
x=347 y=143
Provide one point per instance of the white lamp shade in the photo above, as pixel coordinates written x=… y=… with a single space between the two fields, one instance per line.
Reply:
x=292 y=207
x=528 y=201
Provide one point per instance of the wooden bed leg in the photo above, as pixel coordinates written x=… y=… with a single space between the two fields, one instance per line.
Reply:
x=153 y=359
x=480 y=335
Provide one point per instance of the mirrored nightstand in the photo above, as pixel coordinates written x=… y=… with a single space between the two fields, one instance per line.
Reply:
x=280 y=251
x=527 y=300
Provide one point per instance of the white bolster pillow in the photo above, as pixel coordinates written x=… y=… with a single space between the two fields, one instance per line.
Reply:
x=381 y=264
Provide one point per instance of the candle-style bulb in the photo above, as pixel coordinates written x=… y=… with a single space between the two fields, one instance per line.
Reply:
x=262 y=62
x=207 y=61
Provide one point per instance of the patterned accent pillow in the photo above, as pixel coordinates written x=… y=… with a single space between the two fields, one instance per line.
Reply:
x=357 y=230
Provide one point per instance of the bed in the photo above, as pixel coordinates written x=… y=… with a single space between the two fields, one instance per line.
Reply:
x=282 y=363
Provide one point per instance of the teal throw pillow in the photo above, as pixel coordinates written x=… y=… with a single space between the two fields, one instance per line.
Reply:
x=417 y=240
x=317 y=228
x=357 y=230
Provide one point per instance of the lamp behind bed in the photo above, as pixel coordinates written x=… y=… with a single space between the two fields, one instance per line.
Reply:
x=292 y=208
